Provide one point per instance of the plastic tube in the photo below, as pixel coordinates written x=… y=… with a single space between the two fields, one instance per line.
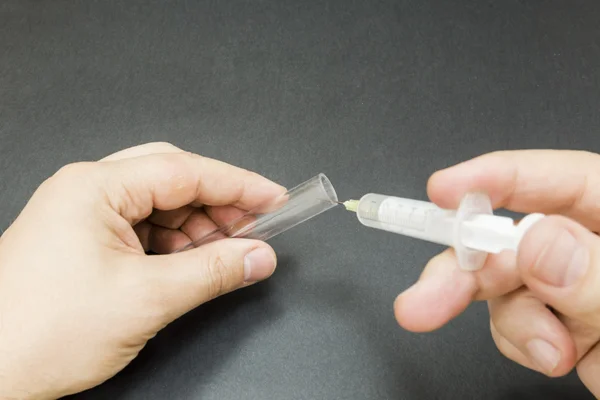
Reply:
x=297 y=205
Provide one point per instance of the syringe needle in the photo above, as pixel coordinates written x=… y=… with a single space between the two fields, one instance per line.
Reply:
x=351 y=205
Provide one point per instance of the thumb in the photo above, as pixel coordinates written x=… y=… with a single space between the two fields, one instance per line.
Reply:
x=185 y=280
x=559 y=261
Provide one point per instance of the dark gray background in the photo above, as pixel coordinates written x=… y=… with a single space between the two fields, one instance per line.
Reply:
x=376 y=94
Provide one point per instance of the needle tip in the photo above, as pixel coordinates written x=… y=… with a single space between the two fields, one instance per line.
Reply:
x=351 y=205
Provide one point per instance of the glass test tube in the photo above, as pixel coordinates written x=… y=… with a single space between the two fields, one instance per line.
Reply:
x=297 y=205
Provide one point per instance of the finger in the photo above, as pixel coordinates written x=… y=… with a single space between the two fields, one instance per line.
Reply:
x=234 y=219
x=142 y=150
x=171 y=219
x=158 y=239
x=162 y=240
x=142 y=230
x=508 y=349
x=444 y=290
x=182 y=281
x=588 y=370
x=169 y=181
x=545 y=181
x=584 y=336
x=559 y=261
x=165 y=240
x=524 y=321
x=224 y=215
x=195 y=222
x=198 y=225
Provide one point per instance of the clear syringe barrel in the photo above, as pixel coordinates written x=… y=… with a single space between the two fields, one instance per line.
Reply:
x=472 y=229
x=408 y=217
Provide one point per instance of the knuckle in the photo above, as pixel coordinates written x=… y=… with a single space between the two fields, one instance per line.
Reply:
x=181 y=168
x=500 y=155
x=177 y=165
x=216 y=277
x=129 y=201
x=73 y=178
x=188 y=156
x=162 y=146
x=76 y=170
x=178 y=161
x=181 y=162
x=251 y=175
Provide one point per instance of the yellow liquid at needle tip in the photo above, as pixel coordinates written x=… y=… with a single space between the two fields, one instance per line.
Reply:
x=351 y=205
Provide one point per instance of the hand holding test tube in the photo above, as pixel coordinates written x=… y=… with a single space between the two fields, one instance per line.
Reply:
x=297 y=205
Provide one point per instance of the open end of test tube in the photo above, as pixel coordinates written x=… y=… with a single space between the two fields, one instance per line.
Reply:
x=328 y=189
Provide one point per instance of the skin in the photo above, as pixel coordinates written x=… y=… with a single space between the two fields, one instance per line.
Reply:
x=544 y=301
x=89 y=276
x=79 y=297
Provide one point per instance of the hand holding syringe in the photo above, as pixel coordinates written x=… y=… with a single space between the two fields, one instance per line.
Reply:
x=472 y=230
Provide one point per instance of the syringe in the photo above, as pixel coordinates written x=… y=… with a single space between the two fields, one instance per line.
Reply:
x=472 y=230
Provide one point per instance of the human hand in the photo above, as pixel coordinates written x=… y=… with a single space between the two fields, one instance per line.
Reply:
x=544 y=301
x=79 y=297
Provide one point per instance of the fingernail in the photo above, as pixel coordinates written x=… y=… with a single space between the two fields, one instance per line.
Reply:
x=543 y=354
x=563 y=261
x=259 y=264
